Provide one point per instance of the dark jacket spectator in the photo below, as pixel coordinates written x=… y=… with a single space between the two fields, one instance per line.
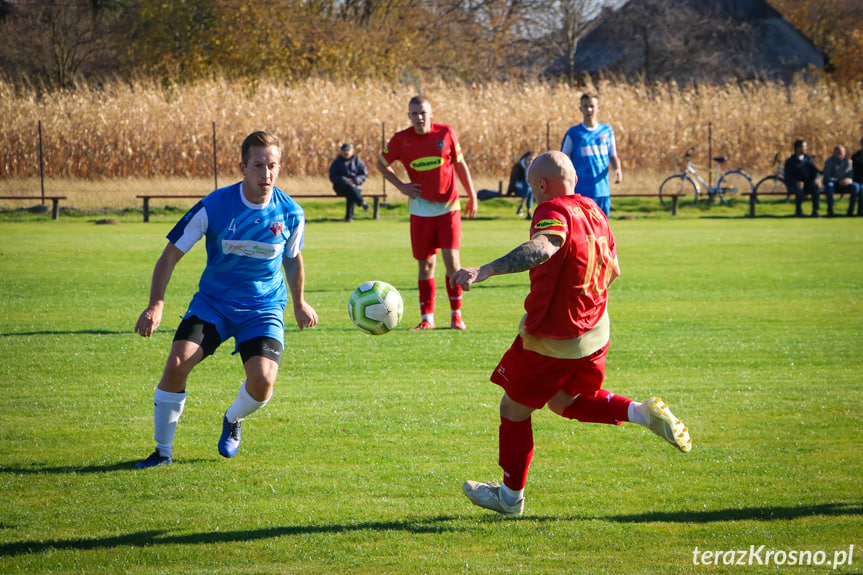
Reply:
x=802 y=178
x=347 y=173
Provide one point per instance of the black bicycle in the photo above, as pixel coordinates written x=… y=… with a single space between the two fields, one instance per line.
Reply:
x=774 y=184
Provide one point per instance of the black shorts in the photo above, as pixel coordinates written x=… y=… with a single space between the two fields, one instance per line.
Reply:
x=207 y=336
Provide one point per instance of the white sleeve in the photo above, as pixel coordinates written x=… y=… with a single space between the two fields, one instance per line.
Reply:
x=294 y=245
x=566 y=146
x=194 y=231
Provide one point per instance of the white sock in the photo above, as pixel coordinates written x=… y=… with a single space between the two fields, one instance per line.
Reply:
x=429 y=317
x=167 y=409
x=243 y=406
x=634 y=415
x=511 y=497
x=452 y=312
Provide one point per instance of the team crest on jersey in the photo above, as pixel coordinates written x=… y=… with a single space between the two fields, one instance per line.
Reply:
x=440 y=144
x=277 y=228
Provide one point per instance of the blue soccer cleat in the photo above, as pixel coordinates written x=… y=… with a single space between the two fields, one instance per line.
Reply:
x=155 y=459
x=229 y=442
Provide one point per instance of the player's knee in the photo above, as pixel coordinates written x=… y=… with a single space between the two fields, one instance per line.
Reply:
x=260 y=387
x=513 y=410
x=426 y=267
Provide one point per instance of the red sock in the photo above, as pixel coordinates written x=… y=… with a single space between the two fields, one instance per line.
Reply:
x=454 y=294
x=515 y=450
x=427 y=294
x=601 y=407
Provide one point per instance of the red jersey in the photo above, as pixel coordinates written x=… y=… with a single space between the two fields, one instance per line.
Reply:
x=569 y=292
x=429 y=160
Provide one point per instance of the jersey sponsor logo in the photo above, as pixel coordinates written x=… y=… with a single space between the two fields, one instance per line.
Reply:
x=276 y=228
x=427 y=163
x=594 y=150
x=548 y=223
x=250 y=249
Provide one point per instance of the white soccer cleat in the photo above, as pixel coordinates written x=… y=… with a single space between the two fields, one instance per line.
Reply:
x=488 y=495
x=662 y=422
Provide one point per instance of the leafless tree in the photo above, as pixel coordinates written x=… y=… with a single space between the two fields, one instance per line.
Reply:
x=556 y=26
x=54 y=42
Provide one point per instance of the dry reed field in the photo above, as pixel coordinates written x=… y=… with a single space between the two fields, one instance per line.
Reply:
x=128 y=138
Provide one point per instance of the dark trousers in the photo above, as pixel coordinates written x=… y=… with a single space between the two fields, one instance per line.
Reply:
x=854 y=195
x=353 y=197
x=813 y=190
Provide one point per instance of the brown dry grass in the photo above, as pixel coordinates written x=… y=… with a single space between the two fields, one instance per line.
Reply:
x=102 y=147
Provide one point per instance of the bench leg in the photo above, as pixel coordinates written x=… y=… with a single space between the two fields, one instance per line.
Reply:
x=675 y=203
x=55 y=209
x=752 y=200
x=146 y=210
x=376 y=210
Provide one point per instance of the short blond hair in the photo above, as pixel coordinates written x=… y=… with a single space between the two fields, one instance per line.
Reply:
x=259 y=139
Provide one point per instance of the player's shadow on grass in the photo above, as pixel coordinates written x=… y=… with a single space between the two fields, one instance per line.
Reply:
x=69 y=332
x=66 y=469
x=440 y=524
x=742 y=514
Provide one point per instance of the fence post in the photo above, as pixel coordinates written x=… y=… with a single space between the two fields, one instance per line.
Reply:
x=41 y=163
x=383 y=143
x=547 y=135
x=215 y=169
x=710 y=153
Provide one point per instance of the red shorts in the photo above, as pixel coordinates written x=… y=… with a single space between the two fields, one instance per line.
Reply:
x=429 y=234
x=532 y=379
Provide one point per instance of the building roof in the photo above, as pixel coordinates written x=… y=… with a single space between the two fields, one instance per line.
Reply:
x=693 y=40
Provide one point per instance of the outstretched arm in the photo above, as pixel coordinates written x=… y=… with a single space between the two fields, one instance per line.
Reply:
x=151 y=317
x=528 y=255
x=295 y=276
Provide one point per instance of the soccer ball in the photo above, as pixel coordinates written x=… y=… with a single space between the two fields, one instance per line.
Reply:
x=376 y=307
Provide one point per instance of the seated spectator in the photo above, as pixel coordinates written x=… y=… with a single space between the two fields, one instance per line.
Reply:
x=347 y=173
x=857 y=164
x=518 y=184
x=838 y=177
x=802 y=177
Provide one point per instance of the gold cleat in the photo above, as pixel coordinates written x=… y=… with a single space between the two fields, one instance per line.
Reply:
x=663 y=423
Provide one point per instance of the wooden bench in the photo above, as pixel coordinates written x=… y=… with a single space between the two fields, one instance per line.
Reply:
x=376 y=200
x=753 y=199
x=55 y=202
x=675 y=198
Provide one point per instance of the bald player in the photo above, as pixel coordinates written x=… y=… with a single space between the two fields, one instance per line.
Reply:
x=558 y=356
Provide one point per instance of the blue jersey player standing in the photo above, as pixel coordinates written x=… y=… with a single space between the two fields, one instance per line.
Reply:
x=592 y=149
x=251 y=230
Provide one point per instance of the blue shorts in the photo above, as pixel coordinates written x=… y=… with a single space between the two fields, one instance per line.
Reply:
x=241 y=324
x=604 y=203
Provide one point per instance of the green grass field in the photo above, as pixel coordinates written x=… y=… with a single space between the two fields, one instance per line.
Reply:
x=751 y=330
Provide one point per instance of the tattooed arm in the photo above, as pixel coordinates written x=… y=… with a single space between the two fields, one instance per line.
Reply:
x=526 y=256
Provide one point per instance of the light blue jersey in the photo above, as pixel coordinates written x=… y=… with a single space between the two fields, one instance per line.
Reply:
x=591 y=152
x=245 y=243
